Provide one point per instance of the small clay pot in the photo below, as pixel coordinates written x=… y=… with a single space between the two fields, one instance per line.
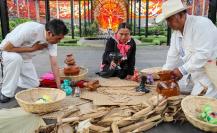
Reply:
x=71 y=70
x=165 y=75
x=69 y=60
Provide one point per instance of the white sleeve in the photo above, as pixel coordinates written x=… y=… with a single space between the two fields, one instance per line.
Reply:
x=52 y=49
x=172 y=55
x=204 y=44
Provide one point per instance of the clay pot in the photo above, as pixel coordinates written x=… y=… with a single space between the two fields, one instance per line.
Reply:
x=69 y=60
x=165 y=75
x=168 y=88
x=71 y=70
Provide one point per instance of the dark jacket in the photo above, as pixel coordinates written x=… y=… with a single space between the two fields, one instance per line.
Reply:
x=129 y=64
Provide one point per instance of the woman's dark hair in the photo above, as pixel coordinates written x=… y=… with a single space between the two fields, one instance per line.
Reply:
x=56 y=26
x=124 y=25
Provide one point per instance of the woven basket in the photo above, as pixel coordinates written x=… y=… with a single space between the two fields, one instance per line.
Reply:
x=80 y=76
x=27 y=98
x=154 y=71
x=192 y=106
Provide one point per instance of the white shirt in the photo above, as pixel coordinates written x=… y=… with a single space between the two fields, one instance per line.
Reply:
x=26 y=35
x=195 y=47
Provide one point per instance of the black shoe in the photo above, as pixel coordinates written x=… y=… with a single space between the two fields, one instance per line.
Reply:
x=142 y=87
x=4 y=99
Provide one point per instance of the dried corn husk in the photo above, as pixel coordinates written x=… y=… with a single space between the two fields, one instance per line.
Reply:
x=142 y=112
x=84 y=126
x=65 y=128
x=96 y=128
x=144 y=127
x=115 y=128
x=139 y=124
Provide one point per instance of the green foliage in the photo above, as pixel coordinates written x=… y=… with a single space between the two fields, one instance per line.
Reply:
x=154 y=39
x=15 y=22
x=92 y=29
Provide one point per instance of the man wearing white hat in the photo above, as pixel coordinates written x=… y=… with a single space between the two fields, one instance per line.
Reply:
x=194 y=42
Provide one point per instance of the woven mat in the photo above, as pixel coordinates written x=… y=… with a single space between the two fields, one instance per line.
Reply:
x=69 y=106
x=105 y=99
x=129 y=91
x=116 y=82
x=102 y=99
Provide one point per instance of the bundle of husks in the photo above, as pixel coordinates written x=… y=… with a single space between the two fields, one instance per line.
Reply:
x=116 y=119
x=173 y=111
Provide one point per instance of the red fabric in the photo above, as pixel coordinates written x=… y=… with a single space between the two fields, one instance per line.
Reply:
x=80 y=84
x=123 y=47
x=48 y=83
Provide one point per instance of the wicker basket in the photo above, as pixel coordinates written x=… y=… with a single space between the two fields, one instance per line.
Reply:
x=81 y=76
x=154 y=71
x=192 y=106
x=27 y=98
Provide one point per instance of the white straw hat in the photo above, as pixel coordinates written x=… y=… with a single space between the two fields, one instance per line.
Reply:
x=169 y=8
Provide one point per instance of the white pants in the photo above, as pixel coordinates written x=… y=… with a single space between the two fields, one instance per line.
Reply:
x=194 y=86
x=17 y=72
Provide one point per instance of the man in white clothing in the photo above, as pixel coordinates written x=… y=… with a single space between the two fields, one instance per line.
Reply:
x=18 y=48
x=193 y=42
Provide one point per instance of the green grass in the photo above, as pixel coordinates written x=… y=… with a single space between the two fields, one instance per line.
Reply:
x=68 y=41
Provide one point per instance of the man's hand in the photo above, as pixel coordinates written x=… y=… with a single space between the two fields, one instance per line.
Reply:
x=177 y=74
x=113 y=65
x=38 y=46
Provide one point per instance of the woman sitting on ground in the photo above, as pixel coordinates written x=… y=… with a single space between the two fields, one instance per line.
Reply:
x=119 y=56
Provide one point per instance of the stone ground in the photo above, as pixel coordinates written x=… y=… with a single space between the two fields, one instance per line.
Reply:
x=90 y=57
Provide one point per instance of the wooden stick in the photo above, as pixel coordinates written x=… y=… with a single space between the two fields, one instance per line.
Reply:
x=115 y=128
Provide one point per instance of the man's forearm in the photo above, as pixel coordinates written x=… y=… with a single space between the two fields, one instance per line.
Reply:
x=9 y=47
x=19 y=50
x=55 y=70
